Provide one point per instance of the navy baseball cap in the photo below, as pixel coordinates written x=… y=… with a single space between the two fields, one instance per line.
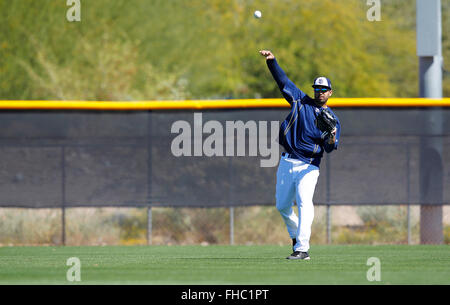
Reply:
x=322 y=81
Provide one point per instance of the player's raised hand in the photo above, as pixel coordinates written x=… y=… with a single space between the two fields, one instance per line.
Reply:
x=267 y=54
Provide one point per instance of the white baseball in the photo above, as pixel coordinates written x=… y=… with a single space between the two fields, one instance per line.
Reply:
x=257 y=14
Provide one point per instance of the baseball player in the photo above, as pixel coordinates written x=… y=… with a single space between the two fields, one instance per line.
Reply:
x=310 y=129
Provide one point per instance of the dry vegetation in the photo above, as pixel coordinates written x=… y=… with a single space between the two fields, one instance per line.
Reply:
x=182 y=226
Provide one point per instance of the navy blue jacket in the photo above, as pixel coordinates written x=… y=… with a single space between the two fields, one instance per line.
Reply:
x=299 y=134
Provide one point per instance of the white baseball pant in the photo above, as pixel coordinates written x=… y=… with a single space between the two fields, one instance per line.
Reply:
x=296 y=180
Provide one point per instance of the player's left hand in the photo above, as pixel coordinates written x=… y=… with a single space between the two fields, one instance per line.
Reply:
x=332 y=138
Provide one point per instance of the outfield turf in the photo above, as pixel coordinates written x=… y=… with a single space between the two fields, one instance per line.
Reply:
x=192 y=265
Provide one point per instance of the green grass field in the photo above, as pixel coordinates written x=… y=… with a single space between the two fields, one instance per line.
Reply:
x=244 y=265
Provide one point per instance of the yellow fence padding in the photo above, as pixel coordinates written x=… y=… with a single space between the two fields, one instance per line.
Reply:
x=213 y=104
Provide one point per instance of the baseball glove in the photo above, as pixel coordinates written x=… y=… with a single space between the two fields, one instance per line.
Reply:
x=326 y=122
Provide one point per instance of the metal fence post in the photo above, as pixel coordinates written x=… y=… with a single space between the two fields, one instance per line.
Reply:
x=63 y=225
x=328 y=224
x=231 y=199
x=149 y=225
x=328 y=175
x=408 y=192
x=231 y=225
x=63 y=196
x=408 y=215
x=149 y=178
x=429 y=51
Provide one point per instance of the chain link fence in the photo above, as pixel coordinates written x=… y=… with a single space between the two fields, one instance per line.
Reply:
x=172 y=166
